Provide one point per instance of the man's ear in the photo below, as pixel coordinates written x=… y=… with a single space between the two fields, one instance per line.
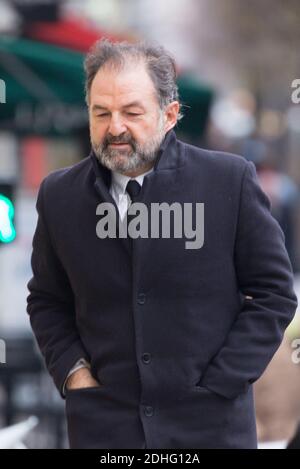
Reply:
x=171 y=115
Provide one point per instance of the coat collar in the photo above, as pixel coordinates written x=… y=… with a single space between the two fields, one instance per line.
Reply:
x=168 y=156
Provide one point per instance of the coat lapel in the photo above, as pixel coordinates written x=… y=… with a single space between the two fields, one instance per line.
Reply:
x=164 y=184
x=102 y=186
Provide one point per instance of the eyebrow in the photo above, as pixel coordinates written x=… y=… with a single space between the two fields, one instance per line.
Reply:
x=98 y=107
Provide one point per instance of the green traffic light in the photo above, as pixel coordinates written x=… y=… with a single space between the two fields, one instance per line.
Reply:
x=7 y=229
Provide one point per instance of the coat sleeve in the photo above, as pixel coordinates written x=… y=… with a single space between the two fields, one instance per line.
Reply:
x=265 y=275
x=50 y=305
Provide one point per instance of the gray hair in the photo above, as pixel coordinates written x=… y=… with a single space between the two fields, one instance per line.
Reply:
x=160 y=64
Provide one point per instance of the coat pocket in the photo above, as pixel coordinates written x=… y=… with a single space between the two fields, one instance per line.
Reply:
x=223 y=422
x=84 y=411
x=101 y=417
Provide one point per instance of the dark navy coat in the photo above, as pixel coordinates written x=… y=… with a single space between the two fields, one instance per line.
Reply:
x=175 y=336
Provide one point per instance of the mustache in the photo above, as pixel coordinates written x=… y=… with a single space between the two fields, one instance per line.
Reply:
x=121 y=139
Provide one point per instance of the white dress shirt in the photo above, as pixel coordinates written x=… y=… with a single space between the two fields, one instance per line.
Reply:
x=118 y=189
x=118 y=192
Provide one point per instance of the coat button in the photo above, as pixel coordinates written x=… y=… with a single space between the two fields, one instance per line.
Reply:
x=149 y=411
x=146 y=358
x=141 y=299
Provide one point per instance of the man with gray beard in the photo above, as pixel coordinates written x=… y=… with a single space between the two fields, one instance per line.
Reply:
x=153 y=345
x=136 y=156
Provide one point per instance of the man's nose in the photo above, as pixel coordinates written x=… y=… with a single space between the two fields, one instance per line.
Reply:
x=116 y=126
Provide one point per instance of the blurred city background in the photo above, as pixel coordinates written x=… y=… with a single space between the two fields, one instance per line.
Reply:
x=236 y=62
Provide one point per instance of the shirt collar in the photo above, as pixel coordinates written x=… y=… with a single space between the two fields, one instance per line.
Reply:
x=119 y=181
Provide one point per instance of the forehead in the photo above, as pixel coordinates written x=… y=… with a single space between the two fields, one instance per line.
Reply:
x=132 y=83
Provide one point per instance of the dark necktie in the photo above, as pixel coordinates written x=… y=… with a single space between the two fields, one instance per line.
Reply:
x=133 y=188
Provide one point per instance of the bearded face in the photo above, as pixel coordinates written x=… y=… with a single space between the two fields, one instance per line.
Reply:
x=127 y=123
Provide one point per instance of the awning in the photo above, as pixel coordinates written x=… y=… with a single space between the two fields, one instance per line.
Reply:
x=196 y=98
x=45 y=90
x=43 y=83
x=71 y=33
